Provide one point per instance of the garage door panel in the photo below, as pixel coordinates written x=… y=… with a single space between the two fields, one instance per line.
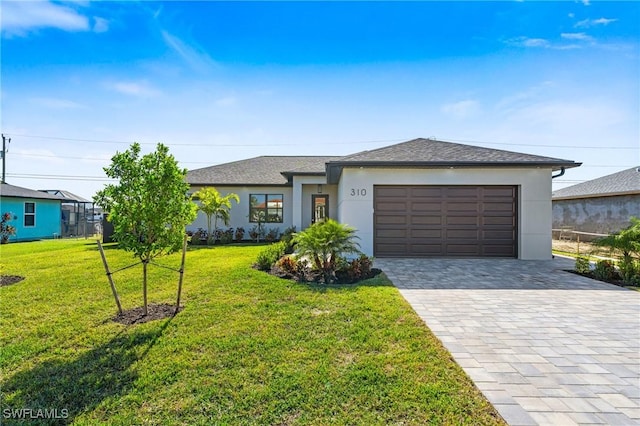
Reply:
x=506 y=250
x=424 y=207
x=391 y=219
x=393 y=233
x=391 y=207
x=505 y=206
x=462 y=207
x=468 y=234
x=496 y=234
x=391 y=249
x=445 y=221
x=462 y=192
x=426 y=233
x=425 y=220
x=463 y=249
x=426 y=192
x=499 y=191
x=499 y=220
x=392 y=191
x=425 y=249
x=462 y=220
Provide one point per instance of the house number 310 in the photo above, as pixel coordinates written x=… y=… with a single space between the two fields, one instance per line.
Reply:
x=358 y=192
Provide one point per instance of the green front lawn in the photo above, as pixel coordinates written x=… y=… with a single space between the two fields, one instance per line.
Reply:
x=248 y=348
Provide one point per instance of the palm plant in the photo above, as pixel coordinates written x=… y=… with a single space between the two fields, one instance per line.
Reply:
x=215 y=206
x=627 y=243
x=324 y=242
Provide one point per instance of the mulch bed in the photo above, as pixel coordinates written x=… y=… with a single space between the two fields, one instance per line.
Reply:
x=154 y=312
x=591 y=275
x=6 y=280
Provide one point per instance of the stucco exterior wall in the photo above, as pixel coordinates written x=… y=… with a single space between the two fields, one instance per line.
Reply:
x=47 y=218
x=355 y=199
x=240 y=212
x=307 y=192
x=602 y=215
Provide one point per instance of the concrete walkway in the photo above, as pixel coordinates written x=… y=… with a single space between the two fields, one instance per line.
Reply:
x=544 y=346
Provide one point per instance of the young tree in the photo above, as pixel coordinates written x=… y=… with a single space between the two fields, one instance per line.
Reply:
x=324 y=242
x=149 y=206
x=215 y=206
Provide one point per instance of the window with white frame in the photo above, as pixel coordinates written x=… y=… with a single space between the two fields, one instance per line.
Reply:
x=29 y=214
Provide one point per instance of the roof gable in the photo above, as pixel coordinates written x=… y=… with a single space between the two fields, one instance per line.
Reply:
x=434 y=153
x=620 y=183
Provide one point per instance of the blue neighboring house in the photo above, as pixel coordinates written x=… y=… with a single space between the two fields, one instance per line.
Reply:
x=36 y=215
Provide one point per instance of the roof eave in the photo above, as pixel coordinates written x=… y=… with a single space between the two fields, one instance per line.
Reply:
x=599 y=195
x=285 y=184
x=334 y=168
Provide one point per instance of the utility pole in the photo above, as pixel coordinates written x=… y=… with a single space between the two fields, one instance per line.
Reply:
x=5 y=141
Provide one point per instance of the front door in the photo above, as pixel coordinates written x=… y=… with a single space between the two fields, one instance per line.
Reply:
x=319 y=207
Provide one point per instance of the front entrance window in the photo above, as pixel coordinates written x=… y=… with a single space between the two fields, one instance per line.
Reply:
x=320 y=208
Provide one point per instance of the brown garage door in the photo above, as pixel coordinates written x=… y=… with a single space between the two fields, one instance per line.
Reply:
x=421 y=221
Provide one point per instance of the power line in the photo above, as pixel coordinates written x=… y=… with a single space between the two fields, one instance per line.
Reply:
x=64 y=157
x=61 y=177
x=213 y=145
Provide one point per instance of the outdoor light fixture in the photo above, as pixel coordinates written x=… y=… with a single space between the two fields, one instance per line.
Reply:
x=319 y=189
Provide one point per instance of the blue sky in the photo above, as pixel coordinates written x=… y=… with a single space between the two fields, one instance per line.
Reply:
x=223 y=81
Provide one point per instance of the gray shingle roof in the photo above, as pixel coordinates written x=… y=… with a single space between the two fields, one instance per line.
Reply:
x=434 y=153
x=7 y=190
x=624 y=182
x=277 y=170
x=68 y=196
x=265 y=170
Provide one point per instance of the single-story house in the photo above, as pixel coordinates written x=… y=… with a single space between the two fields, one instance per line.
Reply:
x=603 y=205
x=418 y=198
x=36 y=215
x=79 y=216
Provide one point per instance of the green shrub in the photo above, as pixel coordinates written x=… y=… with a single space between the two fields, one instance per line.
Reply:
x=604 y=270
x=324 y=243
x=582 y=265
x=629 y=270
x=287 y=238
x=272 y=235
x=355 y=270
x=269 y=256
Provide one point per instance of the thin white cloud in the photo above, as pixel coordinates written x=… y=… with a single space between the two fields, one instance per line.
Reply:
x=39 y=155
x=540 y=43
x=588 y=23
x=19 y=18
x=525 y=96
x=529 y=42
x=586 y=2
x=227 y=101
x=461 y=109
x=100 y=25
x=576 y=36
x=56 y=103
x=138 y=89
x=196 y=57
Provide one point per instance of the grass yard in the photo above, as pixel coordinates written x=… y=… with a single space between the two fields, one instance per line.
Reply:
x=248 y=348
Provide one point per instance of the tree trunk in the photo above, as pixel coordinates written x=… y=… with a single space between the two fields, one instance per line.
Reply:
x=184 y=252
x=144 y=284
x=113 y=286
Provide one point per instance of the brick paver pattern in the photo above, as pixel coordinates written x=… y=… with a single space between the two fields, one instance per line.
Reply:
x=543 y=345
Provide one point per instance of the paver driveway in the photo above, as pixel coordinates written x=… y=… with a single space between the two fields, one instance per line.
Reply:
x=544 y=346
